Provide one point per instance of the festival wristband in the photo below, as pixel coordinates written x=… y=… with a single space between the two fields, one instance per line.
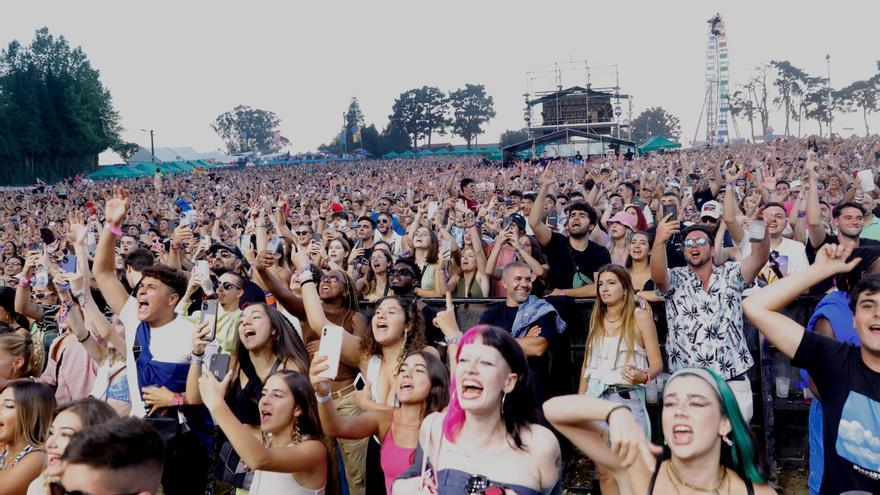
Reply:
x=114 y=229
x=608 y=416
x=323 y=398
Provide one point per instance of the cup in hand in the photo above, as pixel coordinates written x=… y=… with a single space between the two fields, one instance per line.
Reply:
x=866 y=180
x=782 y=385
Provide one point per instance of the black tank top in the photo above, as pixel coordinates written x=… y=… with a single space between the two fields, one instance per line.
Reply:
x=243 y=402
x=750 y=490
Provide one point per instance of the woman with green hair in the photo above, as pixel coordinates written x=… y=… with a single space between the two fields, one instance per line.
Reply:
x=708 y=445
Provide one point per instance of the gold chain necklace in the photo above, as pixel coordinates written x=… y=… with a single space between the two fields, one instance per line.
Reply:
x=676 y=478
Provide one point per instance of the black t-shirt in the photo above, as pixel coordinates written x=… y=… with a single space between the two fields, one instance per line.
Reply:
x=823 y=286
x=674 y=256
x=501 y=315
x=850 y=394
x=568 y=264
x=703 y=196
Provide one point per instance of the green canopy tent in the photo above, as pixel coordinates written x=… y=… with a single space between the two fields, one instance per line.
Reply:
x=424 y=152
x=442 y=151
x=117 y=172
x=391 y=154
x=658 y=143
x=407 y=154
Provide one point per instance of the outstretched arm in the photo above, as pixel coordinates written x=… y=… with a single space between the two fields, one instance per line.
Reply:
x=104 y=267
x=762 y=308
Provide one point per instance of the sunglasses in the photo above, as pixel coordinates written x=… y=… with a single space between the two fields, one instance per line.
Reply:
x=229 y=286
x=333 y=278
x=221 y=253
x=302 y=232
x=701 y=241
x=401 y=271
x=384 y=220
x=40 y=295
x=56 y=488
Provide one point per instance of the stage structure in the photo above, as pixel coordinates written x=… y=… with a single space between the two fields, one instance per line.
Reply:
x=716 y=103
x=586 y=118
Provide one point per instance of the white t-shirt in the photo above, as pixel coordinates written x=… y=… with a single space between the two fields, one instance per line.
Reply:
x=171 y=343
x=791 y=256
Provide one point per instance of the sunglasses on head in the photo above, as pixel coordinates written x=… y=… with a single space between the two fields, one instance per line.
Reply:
x=56 y=488
x=401 y=271
x=700 y=241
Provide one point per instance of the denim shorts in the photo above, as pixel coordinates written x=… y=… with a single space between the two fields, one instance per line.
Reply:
x=634 y=399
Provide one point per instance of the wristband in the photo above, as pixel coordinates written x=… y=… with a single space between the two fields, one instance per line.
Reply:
x=114 y=229
x=306 y=276
x=304 y=282
x=197 y=358
x=177 y=399
x=88 y=335
x=323 y=398
x=608 y=416
x=647 y=376
x=452 y=340
x=25 y=282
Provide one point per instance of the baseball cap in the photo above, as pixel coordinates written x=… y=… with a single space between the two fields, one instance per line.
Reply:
x=711 y=209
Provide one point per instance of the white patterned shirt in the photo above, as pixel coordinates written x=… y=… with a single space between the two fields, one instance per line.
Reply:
x=705 y=327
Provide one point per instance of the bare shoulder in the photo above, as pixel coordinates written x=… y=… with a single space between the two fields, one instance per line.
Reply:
x=541 y=441
x=764 y=490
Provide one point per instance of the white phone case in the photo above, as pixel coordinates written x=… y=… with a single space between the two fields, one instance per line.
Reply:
x=331 y=346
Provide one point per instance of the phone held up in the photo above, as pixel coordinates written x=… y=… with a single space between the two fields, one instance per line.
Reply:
x=209 y=314
x=670 y=209
x=331 y=346
x=219 y=365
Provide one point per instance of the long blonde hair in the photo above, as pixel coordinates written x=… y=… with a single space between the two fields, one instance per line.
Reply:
x=628 y=326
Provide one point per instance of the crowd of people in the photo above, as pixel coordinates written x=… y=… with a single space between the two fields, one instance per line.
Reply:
x=208 y=333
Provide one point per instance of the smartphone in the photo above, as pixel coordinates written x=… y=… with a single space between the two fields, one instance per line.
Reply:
x=201 y=268
x=209 y=314
x=507 y=221
x=331 y=346
x=670 y=209
x=219 y=365
x=552 y=221
x=508 y=202
x=756 y=230
x=245 y=243
x=188 y=218
x=35 y=248
x=91 y=238
x=274 y=242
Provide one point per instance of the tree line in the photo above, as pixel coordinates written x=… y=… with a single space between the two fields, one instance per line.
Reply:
x=55 y=114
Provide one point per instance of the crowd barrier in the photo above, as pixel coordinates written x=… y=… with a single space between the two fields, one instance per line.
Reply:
x=779 y=424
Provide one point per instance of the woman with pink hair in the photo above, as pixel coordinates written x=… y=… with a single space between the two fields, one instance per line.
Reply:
x=489 y=437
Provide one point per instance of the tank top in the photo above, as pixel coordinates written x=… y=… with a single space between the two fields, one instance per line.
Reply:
x=244 y=401
x=750 y=490
x=471 y=290
x=394 y=459
x=428 y=282
x=275 y=483
x=608 y=359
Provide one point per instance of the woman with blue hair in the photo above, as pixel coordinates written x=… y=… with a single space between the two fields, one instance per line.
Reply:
x=708 y=445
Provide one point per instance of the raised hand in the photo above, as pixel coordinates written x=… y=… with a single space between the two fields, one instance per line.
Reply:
x=116 y=206
x=76 y=228
x=667 y=228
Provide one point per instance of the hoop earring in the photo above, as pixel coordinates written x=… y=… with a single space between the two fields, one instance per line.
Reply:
x=727 y=440
x=503 y=396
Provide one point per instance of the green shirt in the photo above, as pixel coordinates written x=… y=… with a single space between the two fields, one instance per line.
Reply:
x=872 y=229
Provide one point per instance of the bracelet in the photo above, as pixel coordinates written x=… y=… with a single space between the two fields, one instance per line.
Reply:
x=177 y=399
x=197 y=358
x=306 y=276
x=608 y=416
x=648 y=377
x=322 y=218
x=452 y=340
x=114 y=229
x=87 y=337
x=323 y=398
x=304 y=282
x=25 y=282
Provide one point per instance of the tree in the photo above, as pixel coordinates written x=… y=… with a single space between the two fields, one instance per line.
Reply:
x=434 y=107
x=244 y=129
x=509 y=137
x=864 y=95
x=406 y=116
x=758 y=91
x=740 y=104
x=471 y=108
x=55 y=114
x=354 y=116
x=655 y=121
x=125 y=149
x=790 y=82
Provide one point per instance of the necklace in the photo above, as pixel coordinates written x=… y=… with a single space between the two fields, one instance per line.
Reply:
x=609 y=320
x=673 y=474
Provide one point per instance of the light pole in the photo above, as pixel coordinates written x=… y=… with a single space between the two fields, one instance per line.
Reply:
x=152 y=147
x=830 y=116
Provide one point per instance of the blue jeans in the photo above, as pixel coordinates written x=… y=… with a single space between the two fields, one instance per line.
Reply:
x=817 y=454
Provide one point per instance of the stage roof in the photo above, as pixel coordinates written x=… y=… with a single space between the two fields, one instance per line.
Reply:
x=563 y=135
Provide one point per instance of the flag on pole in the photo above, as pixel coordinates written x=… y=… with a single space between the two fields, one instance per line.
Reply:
x=276 y=136
x=342 y=138
x=356 y=134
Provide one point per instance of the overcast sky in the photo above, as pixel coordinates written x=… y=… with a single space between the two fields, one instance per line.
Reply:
x=175 y=66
